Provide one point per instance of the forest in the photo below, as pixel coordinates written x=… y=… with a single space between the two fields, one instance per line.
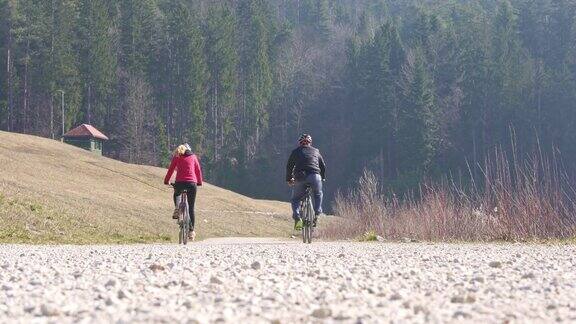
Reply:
x=413 y=91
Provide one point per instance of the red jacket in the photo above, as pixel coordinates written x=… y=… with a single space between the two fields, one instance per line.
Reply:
x=187 y=169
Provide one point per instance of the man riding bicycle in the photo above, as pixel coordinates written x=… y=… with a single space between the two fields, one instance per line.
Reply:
x=305 y=168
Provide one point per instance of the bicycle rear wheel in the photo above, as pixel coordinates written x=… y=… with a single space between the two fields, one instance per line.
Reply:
x=185 y=227
x=181 y=235
x=307 y=211
x=304 y=213
x=184 y=220
x=307 y=234
x=310 y=217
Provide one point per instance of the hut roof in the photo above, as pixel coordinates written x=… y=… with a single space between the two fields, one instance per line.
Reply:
x=86 y=130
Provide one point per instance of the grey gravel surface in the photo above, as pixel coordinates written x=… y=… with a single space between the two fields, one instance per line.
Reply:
x=251 y=282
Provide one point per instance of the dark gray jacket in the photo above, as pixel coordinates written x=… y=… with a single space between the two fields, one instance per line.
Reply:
x=305 y=160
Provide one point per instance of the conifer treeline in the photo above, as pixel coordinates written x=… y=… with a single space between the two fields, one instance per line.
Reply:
x=408 y=89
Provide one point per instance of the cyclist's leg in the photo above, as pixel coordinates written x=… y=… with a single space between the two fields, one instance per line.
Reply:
x=177 y=192
x=298 y=193
x=191 y=201
x=315 y=181
x=176 y=198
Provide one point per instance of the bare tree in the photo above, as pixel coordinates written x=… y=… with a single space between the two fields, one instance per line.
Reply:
x=136 y=120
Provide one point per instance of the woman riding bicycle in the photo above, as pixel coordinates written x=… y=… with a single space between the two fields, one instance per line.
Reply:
x=188 y=177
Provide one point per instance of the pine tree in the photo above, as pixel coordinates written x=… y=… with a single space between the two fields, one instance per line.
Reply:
x=138 y=26
x=64 y=66
x=223 y=63
x=138 y=36
x=417 y=115
x=99 y=62
x=508 y=75
x=474 y=69
x=197 y=87
x=31 y=29
x=341 y=16
x=307 y=12
x=257 y=74
x=364 y=29
x=46 y=61
x=373 y=71
x=187 y=73
x=379 y=8
x=162 y=145
x=323 y=23
x=5 y=64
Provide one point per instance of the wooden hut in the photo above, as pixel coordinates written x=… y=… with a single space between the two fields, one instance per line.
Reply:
x=87 y=137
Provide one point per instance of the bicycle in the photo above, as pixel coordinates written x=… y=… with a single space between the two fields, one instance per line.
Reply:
x=183 y=218
x=307 y=212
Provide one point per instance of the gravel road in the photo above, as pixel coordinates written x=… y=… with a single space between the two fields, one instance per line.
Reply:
x=277 y=282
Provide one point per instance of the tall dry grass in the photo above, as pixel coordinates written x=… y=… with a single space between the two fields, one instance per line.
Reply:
x=512 y=201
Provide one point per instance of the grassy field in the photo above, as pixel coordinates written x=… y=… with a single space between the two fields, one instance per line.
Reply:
x=56 y=193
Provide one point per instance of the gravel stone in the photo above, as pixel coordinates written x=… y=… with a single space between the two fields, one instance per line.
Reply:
x=49 y=310
x=325 y=282
x=461 y=314
x=215 y=280
x=256 y=265
x=322 y=313
x=395 y=296
x=29 y=309
x=156 y=267
x=495 y=264
x=110 y=301
x=477 y=279
x=110 y=283
x=469 y=299
x=122 y=294
x=528 y=276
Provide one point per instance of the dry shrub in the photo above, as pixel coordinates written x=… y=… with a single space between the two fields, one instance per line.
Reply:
x=532 y=200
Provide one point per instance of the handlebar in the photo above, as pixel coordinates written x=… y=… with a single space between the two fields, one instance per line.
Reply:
x=174 y=184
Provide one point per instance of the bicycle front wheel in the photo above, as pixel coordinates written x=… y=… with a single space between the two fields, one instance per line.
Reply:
x=185 y=227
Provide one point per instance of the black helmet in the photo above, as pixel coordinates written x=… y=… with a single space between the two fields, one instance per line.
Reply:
x=305 y=139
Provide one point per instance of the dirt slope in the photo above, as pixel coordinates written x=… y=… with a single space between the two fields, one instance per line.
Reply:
x=54 y=192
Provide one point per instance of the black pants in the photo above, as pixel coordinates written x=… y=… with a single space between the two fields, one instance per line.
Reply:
x=190 y=187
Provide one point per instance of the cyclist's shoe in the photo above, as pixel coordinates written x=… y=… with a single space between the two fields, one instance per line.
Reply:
x=192 y=235
x=298 y=224
x=315 y=219
x=175 y=214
